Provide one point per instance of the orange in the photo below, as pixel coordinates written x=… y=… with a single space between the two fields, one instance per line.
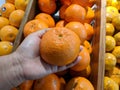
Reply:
x=3 y=21
x=79 y=83
x=10 y=1
x=79 y=29
x=60 y=23
x=88 y=46
x=90 y=14
x=33 y=26
x=65 y=2
x=90 y=31
x=62 y=73
x=84 y=62
x=75 y=12
x=110 y=43
x=84 y=73
x=6 y=9
x=16 y=18
x=49 y=82
x=8 y=33
x=56 y=47
x=62 y=11
x=110 y=29
x=62 y=83
x=48 y=19
x=5 y=47
x=21 y=4
x=84 y=3
x=47 y=6
x=26 y=85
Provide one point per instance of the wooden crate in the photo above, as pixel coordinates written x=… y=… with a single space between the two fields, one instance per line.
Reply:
x=98 y=41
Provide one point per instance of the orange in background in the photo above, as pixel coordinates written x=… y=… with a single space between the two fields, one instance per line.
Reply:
x=16 y=17
x=47 y=6
x=33 y=26
x=65 y=2
x=84 y=3
x=49 y=82
x=90 y=31
x=3 y=21
x=6 y=9
x=75 y=12
x=48 y=19
x=8 y=33
x=79 y=29
x=61 y=23
x=79 y=83
x=84 y=62
x=62 y=11
x=88 y=46
x=10 y=1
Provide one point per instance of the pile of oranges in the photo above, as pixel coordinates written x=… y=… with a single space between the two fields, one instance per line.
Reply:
x=69 y=36
x=10 y=20
x=112 y=55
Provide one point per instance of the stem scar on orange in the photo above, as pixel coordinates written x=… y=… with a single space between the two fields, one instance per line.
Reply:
x=59 y=46
x=6 y=9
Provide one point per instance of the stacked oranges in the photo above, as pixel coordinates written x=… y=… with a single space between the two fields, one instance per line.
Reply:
x=69 y=36
x=10 y=20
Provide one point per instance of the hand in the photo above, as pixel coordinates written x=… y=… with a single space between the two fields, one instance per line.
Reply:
x=29 y=57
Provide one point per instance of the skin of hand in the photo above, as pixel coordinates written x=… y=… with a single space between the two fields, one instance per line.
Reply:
x=26 y=64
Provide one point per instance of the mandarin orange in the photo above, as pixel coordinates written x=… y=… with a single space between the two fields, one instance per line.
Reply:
x=57 y=48
x=33 y=26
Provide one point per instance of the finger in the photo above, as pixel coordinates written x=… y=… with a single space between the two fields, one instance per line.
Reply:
x=61 y=68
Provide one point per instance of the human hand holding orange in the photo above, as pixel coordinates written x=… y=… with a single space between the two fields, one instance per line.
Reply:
x=25 y=63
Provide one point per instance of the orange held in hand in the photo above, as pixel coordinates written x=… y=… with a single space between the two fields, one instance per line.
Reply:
x=59 y=46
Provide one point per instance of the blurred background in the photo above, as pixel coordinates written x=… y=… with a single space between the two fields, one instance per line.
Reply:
x=1 y=2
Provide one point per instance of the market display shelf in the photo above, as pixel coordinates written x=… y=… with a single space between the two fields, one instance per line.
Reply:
x=98 y=41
